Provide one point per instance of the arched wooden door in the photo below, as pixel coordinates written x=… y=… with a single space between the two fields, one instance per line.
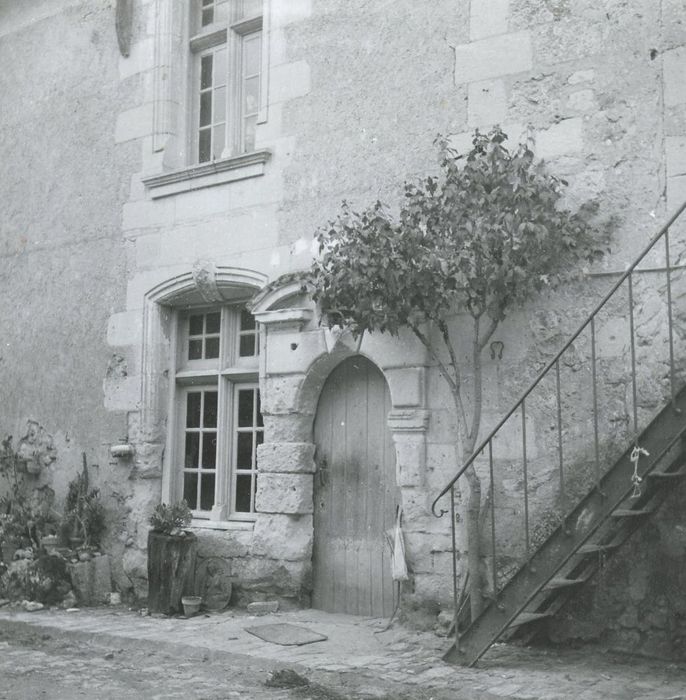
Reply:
x=355 y=492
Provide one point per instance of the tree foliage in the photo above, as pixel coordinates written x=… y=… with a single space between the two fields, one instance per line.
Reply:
x=481 y=238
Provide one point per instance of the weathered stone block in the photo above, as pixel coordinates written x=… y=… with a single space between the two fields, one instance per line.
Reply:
x=581 y=76
x=612 y=338
x=555 y=42
x=122 y=393
x=285 y=457
x=140 y=215
x=291 y=351
x=415 y=503
x=133 y=123
x=560 y=139
x=286 y=13
x=141 y=58
x=284 y=493
x=264 y=579
x=410 y=459
x=493 y=57
x=226 y=544
x=287 y=427
x=676 y=191
x=675 y=150
x=149 y=250
x=124 y=328
x=674 y=71
x=406 y=385
x=387 y=351
x=433 y=587
x=148 y=460
x=488 y=17
x=287 y=537
x=426 y=561
x=487 y=103
x=462 y=142
x=92 y=580
x=507 y=444
x=263 y=607
x=582 y=101
x=289 y=80
x=280 y=393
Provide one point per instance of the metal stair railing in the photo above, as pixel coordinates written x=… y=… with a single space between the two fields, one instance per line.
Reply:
x=485 y=451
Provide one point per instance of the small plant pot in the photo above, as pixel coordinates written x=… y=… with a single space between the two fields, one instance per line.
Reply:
x=33 y=467
x=50 y=543
x=191 y=604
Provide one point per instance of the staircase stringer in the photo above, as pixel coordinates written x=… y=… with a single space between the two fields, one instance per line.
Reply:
x=595 y=510
x=580 y=526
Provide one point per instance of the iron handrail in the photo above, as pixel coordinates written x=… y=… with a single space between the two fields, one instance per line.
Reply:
x=589 y=320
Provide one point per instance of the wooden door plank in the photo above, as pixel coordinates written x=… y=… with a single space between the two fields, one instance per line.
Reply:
x=351 y=561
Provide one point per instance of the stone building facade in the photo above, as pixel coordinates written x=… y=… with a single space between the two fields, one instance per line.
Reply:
x=160 y=191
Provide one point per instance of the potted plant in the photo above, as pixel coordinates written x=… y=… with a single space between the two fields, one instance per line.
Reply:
x=171 y=557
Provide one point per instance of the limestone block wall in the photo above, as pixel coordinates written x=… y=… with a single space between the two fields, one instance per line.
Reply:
x=62 y=259
x=635 y=603
x=357 y=92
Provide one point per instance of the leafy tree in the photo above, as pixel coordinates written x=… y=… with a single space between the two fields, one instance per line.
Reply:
x=485 y=235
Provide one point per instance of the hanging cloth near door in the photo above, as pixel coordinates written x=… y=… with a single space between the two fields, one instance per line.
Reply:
x=398 y=561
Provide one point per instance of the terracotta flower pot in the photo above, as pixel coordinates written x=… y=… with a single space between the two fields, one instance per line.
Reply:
x=191 y=604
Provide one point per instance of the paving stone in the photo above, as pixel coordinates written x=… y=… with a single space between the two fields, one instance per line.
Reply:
x=395 y=657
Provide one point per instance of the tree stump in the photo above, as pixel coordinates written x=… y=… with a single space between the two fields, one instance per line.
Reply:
x=171 y=570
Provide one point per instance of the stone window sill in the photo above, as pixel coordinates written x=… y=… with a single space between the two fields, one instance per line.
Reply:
x=198 y=524
x=216 y=172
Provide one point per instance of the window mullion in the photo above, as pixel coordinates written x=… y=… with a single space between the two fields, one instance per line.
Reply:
x=170 y=472
x=223 y=486
x=229 y=98
x=234 y=111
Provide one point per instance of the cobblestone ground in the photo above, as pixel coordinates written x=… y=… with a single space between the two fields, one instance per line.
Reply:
x=39 y=665
x=107 y=654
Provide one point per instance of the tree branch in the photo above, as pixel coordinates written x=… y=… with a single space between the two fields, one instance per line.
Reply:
x=441 y=366
x=489 y=333
x=477 y=399
x=443 y=327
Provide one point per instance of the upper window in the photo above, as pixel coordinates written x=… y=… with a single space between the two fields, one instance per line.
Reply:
x=227 y=77
x=218 y=419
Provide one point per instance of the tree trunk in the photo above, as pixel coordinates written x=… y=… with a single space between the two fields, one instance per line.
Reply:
x=171 y=570
x=476 y=602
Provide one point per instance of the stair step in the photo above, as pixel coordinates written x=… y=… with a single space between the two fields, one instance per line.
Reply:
x=563 y=583
x=591 y=548
x=525 y=617
x=630 y=513
x=666 y=475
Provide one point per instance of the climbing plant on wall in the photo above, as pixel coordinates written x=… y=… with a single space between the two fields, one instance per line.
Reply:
x=481 y=237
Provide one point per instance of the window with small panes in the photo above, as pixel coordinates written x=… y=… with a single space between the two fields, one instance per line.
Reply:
x=226 y=45
x=217 y=405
